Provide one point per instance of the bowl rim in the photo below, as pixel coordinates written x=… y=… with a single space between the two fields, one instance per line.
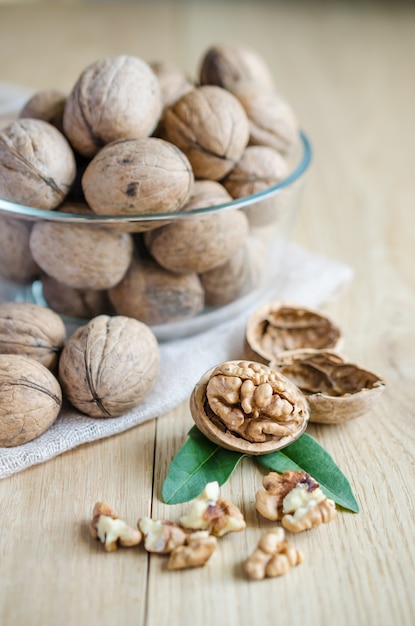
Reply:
x=21 y=211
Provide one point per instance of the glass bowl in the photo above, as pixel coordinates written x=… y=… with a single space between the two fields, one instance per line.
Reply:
x=171 y=311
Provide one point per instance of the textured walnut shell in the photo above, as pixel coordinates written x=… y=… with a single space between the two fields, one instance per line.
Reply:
x=336 y=390
x=31 y=330
x=211 y=127
x=16 y=261
x=37 y=165
x=47 y=105
x=154 y=295
x=276 y=327
x=114 y=98
x=227 y=65
x=30 y=399
x=272 y=121
x=72 y=302
x=247 y=407
x=138 y=176
x=259 y=168
x=81 y=255
x=199 y=243
x=173 y=81
x=109 y=365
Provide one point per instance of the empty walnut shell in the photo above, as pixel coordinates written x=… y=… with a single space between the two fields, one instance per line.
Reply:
x=109 y=365
x=336 y=390
x=30 y=399
x=247 y=407
x=277 y=327
x=31 y=330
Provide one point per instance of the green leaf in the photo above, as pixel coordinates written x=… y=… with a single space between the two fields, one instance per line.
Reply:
x=199 y=461
x=307 y=454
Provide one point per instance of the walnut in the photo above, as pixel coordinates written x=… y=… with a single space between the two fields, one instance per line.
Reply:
x=276 y=327
x=296 y=499
x=72 y=302
x=336 y=390
x=109 y=365
x=199 y=243
x=247 y=407
x=138 y=176
x=83 y=256
x=274 y=556
x=16 y=261
x=30 y=399
x=114 y=98
x=237 y=276
x=228 y=65
x=211 y=127
x=173 y=81
x=161 y=536
x=154 y=295
x=37 y=165
x=110 y=530
x=47 y=105
x=209 y=511
x=31 y=330
x=196 y=552
x=272 y=121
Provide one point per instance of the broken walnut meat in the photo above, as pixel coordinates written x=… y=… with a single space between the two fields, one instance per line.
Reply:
x=195 y=552
x=247 y=407
x=161 y=536
x=296 y=499
x=209 y=511
x=110 y=530
x=273 y=556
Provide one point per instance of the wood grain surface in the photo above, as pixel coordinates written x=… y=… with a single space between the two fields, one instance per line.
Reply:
x=348 y=69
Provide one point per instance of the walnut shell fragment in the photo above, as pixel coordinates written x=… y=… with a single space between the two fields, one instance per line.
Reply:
x=109 y=365
x=248 y=407
x=336 y=390
x=31 y=330
x=30 y=399
x=276 y=327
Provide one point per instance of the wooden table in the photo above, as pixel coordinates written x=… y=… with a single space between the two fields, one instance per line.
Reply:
x=349 y=73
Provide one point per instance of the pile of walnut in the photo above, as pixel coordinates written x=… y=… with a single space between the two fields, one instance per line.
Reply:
x=105 y=368
x=292 y=497
x=133 y=138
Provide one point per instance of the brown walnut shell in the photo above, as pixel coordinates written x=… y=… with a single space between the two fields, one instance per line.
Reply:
x=277 y=326
x=173 y=81
x=114 y=98
x=109 y=365
x=16 y=261
x=30 y=399
x=37 y=165
x=228 y=65
x=31 y=330
x=72 y=302
x=336 y=390
x=138 y=176
x=211 y=127
x=47 y=105
x=247 y=407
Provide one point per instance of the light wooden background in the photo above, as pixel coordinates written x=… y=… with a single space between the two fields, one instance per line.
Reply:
x=348 y=69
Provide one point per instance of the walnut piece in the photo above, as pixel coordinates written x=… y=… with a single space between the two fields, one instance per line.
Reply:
x=209 y=511
x=336 y=390
x=276 y=327
x=109 y=365
x=114 y=98
x=211 y=127
x=196 y=552
x=110 y=530
x=296 y=499
x=248 y=407
x=138 y=176
x=37 y=165
x=30 y=399
x=273 y=556
x=32 y=330
x=161 y=536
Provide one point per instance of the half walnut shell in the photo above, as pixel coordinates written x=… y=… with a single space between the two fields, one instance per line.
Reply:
x=247 y=407
x=336 y=390
x=277 y=327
